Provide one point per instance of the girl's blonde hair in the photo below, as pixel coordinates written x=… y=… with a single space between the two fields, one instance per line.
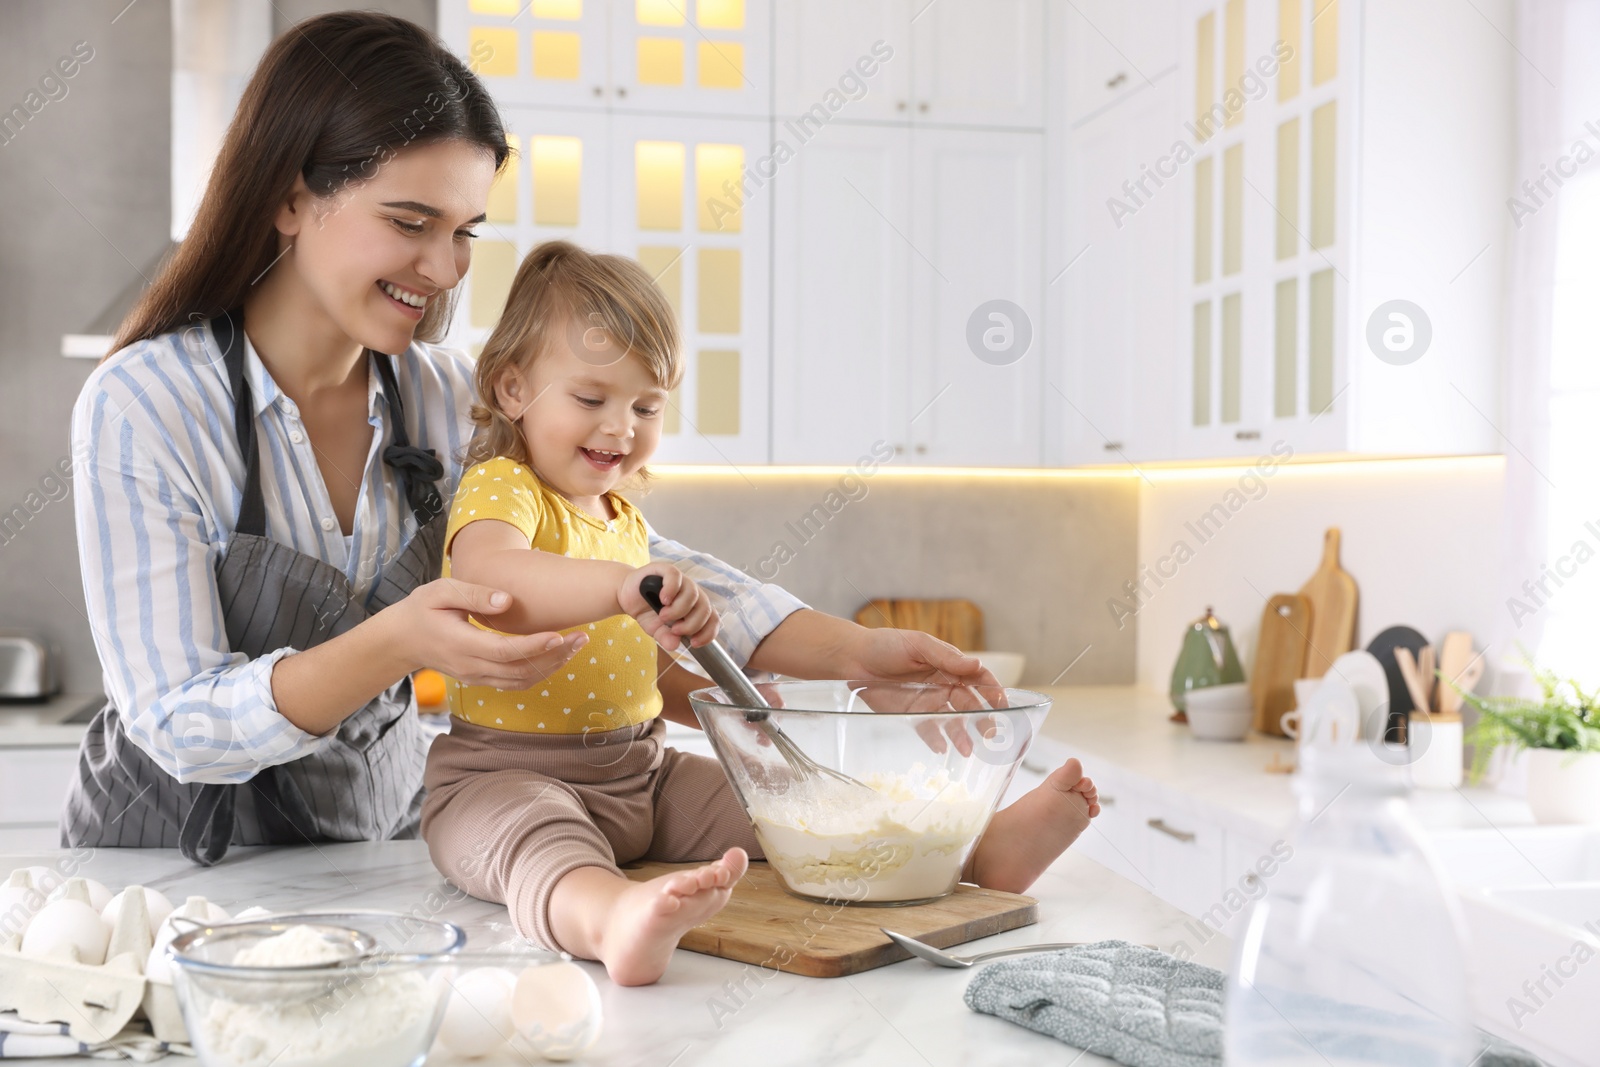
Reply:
x=560 y=294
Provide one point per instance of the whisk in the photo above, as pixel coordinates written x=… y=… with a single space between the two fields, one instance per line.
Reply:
x=742 y=693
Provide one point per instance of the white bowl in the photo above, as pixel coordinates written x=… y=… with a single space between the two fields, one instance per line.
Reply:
x=1005 y=666
x=1220 y=712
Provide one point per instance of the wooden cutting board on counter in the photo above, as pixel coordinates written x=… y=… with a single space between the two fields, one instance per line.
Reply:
x=1286 y=622
x=1331 y=591
x=767 y=927
x=960 y=622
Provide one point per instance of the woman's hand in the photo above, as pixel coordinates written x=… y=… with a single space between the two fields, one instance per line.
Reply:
x=910 y=656
x=431 y=629
x=686 y=613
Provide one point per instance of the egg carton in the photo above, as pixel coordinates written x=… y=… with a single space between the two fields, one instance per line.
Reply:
x=96 y=999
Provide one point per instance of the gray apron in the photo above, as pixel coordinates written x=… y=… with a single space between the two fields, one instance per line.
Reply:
x=365 y=781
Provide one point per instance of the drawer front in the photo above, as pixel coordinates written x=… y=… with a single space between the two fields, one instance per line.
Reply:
x=1117 y=838
x=33 y=784
x=1185 y=858
x=1249 y=864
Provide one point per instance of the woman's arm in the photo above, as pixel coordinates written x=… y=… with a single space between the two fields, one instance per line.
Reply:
x=813 y=644
x=149 y=547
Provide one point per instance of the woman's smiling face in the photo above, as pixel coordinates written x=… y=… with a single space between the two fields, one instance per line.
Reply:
x=373 y=254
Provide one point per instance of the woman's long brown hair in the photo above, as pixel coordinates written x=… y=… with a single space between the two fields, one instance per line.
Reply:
x=333 y=99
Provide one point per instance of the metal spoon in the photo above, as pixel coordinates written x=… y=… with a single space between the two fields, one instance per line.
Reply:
x=941 y=958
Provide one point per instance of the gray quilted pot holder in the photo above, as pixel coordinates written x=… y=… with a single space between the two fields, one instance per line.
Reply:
x=1132 y=1004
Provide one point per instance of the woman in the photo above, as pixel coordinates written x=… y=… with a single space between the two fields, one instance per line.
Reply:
x=259 y=509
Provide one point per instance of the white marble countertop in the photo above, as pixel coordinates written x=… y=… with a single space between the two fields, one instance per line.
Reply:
x=1128 y=727
x=35 y=725
x=909 y=1013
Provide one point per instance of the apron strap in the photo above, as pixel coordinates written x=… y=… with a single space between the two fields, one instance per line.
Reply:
x=417 y=468
x=208 y=826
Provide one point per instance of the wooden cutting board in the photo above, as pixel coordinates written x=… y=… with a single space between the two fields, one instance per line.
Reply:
x=765 y=926
x=1332 y=593
x=1280 y=659
x=960 y=622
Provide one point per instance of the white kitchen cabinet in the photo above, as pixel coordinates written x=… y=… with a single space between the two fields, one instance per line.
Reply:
x=1109 y=388
x=33 y=790
x=823 y=47
x=978 y=62
x=976 y=198
x=678 y=206
x=1114 y=50
x=954 y=62
x=1185 y=856
x=843 y=314
x=711 y=57
x=874 y=305
x=1369 y=168
x=1119 y=838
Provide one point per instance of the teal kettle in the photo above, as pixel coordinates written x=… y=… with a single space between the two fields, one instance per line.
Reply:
x=1206 y=658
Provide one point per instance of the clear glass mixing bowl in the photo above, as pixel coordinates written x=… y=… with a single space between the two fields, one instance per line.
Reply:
x=378 y=1005
x=936 y=760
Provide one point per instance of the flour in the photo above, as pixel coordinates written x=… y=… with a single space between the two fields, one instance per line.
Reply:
x=367 y=1017
x=908 y=842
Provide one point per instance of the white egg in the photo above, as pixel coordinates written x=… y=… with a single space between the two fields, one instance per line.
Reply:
x=477 y=1021
x=157 y=968
x=557 y=1008
x=252 y=914
x=155 y=902
x=99 y=895
x=17 y=908
x=64 y=925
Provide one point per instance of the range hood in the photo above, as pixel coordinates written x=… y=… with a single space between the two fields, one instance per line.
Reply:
x=215 y=47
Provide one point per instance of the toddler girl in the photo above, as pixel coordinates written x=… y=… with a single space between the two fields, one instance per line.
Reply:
x=536 y=796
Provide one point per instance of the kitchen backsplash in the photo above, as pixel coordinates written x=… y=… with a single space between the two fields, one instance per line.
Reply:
x=1039 y=553
x=1422 y=539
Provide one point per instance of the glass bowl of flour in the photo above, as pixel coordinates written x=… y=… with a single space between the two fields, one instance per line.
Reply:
x=315 y=990
x=934 y=760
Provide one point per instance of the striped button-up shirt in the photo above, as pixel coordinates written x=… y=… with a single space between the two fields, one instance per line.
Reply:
x=159 y=478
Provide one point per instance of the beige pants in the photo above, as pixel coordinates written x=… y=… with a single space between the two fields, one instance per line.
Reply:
x=508 y=815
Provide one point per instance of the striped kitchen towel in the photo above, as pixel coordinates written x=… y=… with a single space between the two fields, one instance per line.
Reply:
x=22 y=1040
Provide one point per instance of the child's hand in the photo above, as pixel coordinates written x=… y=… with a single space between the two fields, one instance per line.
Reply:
x=685 y=608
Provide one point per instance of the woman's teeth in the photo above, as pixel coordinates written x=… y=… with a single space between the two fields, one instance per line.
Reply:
x=403 y=296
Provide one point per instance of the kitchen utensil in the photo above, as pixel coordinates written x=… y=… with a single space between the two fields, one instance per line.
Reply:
x=958 y=622
x=1206 y=657
x=1364 y=674
x=714 y=658
x=1280 y=659
x=945 y=959
x=1455 y=653
x=1331 y=592
x=938 y=756
x=1436 y=749
x=1400 y=699
x=1470 y=674
x=27 y=670
x=1331 y=714
x=1425 y=675
x=1220 y=712
x=768 y=927
x=1411 y=674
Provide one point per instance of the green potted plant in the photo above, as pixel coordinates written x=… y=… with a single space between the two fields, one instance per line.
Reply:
x=1560 y=729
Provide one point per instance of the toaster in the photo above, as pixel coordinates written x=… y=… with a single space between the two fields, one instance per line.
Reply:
x=27 y=671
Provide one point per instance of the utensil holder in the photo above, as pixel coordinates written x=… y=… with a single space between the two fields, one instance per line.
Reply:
x=1436 y=750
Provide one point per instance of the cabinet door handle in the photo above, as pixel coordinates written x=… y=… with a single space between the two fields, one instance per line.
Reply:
x=1247 y=435
x=923 y=107
x=1116 y=79
x=1112 y=446
x=599 y=90
x=1161 y=824
x=899 y=105
x=1106 y=802
x=922 y=450
x=622 y=90
x=899 y=450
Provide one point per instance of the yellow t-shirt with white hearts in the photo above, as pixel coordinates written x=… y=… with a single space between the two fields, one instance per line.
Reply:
x=611 y=682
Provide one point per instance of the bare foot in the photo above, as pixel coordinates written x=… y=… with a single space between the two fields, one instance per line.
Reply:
x=1025 y=838
x=648 y=918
